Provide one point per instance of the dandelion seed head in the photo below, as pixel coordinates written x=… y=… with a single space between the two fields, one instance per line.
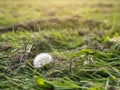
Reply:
x=42 y=59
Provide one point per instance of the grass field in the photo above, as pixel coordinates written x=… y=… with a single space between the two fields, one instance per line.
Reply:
x=83 y=36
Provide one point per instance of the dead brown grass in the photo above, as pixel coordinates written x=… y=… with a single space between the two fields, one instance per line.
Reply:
x=55 y=22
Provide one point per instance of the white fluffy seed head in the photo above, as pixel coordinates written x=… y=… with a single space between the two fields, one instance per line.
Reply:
x=42 y=59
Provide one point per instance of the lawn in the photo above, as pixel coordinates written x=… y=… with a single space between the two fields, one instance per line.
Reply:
x=83 y=37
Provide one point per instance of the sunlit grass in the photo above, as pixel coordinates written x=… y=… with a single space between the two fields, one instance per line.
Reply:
x=82 y=36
